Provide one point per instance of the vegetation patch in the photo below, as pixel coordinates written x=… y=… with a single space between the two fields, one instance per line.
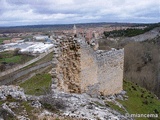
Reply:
x=45 y=59
x=3 y=38
x=115 y=107
x=13 y=57
x=21 y=106
x=6 y=115
x=140 y=101
x=130 y=32
x=53 y=104
x=37 y=85
x=10 y=58
x=99 y=104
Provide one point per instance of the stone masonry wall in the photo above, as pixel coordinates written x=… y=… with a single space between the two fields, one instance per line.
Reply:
x=77 y=68
x=110 y=71
x=67 y=65
x=89 y=68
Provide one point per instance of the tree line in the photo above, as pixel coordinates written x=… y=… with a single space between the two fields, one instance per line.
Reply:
x=130 y=32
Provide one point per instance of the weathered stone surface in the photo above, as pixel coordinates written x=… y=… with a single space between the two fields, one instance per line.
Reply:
x=36 y=104
x=6 y=107
x=110 y=71
x=79 y=68
x=77 y=106
x=14 y=91
x=82 y=106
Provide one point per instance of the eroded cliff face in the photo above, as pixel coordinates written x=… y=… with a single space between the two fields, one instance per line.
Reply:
x=77 y=68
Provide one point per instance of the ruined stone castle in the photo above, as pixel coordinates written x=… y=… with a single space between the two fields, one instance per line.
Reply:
x=78 y=68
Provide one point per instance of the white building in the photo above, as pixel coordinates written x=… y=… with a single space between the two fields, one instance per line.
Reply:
x=40 y=37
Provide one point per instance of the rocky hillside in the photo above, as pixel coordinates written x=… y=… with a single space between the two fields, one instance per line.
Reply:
x=146 y=36
x=121 y=42
x=56 y=105
x=141 y=64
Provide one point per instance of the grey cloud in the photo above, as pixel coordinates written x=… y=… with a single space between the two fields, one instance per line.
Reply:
x=71 y=11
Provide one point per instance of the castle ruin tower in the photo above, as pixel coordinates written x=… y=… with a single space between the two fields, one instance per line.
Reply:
x=74 y=30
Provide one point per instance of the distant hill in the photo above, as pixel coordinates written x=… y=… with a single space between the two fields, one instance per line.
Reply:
x=30 y=28
x=121 y=41
x=145 y=36
x=36 y=28
x=130 y=32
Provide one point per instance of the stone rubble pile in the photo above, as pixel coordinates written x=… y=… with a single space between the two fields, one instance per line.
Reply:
x=15 y=91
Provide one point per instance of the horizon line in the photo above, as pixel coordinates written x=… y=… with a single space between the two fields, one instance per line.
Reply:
x=79 y=23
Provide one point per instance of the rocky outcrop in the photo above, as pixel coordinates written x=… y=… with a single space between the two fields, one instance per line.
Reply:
x=14 y=91
x=14 y=102
x=82 y=106
x=70 y=106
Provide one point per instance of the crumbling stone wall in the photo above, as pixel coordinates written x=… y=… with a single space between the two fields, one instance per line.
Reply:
x=67 y=64
x=78 y=68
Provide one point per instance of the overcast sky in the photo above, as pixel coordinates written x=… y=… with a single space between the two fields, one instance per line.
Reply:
x=33 y=12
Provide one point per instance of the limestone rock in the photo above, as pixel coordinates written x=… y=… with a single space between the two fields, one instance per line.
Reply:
x=15 y=91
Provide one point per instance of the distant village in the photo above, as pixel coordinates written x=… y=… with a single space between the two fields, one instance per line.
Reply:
x=39 y=42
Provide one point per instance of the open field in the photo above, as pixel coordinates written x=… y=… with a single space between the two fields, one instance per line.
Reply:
x=11 y=57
